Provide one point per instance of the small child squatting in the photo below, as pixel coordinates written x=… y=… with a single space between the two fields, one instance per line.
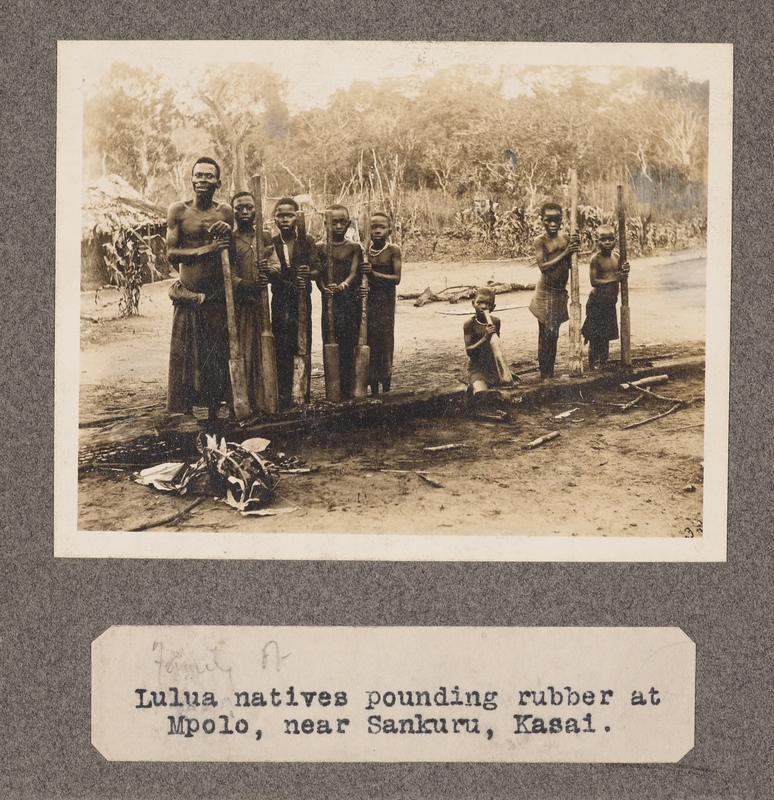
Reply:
x=482 y=370
x=601 y=323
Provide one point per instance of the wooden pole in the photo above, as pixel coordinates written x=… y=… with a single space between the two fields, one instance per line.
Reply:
x=302 y=360
x=503 y=373
x=576 y=345
x=363 y=351
x=236 y=364
x=626 y=326
x=269 y=388
x=331 y=364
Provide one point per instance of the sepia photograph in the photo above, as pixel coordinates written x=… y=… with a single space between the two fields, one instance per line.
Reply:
x=393 y=300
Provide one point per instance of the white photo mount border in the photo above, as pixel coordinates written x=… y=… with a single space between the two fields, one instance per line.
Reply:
x=77 y=60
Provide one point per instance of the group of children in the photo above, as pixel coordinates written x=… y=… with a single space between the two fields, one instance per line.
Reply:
x=304 y=262
x=199 y=230
x=292 y=261
x=553 y=254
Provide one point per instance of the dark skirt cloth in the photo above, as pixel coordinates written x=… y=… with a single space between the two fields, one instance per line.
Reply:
x=248 y=313
x=381 y=331
x=601 y=319
x=346 y=320
x=198 y=356
x=284 y=324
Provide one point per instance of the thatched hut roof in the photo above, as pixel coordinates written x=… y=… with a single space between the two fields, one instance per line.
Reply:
x=111 y=203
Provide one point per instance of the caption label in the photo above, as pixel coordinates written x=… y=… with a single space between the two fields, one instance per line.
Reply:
x=393 y=694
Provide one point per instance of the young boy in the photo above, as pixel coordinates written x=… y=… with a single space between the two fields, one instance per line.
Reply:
x=340 y=281
x=553 y=251
x=601 y=323
x=290 y=284
x=383 y=266
x=247 y=287
x=482 y=370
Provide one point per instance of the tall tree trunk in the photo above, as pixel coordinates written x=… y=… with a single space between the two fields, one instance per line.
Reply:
x=235 y=132
x=239 y=178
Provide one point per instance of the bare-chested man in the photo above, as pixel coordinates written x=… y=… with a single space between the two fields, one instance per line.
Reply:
x=197 y=231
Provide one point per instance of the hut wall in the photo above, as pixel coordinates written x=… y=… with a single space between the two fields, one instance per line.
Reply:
x=95 y=272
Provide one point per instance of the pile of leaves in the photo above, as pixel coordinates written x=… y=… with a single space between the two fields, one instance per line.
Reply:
x=244 y=475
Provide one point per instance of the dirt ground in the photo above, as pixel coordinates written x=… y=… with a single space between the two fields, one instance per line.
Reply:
x=595 y=479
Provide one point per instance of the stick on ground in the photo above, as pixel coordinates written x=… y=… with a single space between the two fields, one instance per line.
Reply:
x=541 y=440
x=651 y=381
x=432 y=483
x=172 y=518
x=683 y=427
x=661 y=396
x=632 y=403
x=422 y=474
x=674 y=408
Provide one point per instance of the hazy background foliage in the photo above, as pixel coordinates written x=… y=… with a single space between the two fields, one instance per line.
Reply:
x=462 y=160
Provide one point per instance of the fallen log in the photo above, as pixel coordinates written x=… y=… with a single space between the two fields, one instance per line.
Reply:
x=497 y=288
x=415 y=295
x=674 y=408
x=443 y=448
x=652 y=381
x=428 y=296
x=454 y=294
x=491 y=416
x=541 y=440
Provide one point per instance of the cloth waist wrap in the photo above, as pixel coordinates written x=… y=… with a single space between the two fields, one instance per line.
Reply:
x=549 y=305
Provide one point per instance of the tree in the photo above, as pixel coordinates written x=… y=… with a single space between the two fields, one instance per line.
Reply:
x=246 y=102
x=682 y=124
x=128 y=123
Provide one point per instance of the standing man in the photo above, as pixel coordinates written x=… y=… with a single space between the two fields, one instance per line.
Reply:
x=197 y=231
